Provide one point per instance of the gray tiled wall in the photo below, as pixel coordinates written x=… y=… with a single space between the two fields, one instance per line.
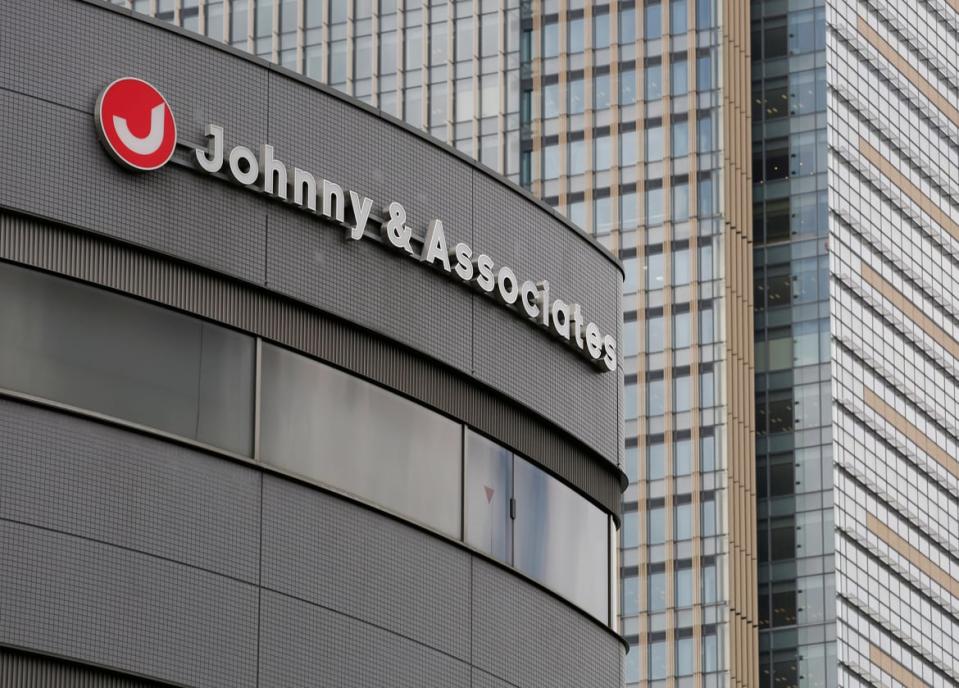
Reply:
x=126 y=551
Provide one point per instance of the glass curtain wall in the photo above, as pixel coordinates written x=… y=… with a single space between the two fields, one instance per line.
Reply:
x=793 y=397
x=620 y=124
x=451 y=68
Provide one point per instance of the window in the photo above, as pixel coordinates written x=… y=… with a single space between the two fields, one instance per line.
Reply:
x=630 y=344
x=654 y=142
x=601 y=91
x=707 y=387
x=600 y=31
x=655 y=334
x=678 y=22
x=576 y=33
x=629 y=276
x=681 y=268
x=656 y=399
x=603 y=209
x=709 y=581
x=654 y=21
x=682 y=392
x=707 y=451
x=680 y=209
x=550 y=40
x=657 y=659
x=678 y=77
x=627 y=25
x=653 y=80
x=629 y=401
x=656 y=583
x=655 y=460
x=110 y=354
x=577 y=97
x=630 y=603
x=681 y=330
x=654 y=270
x=683 y=583
x=683 y=519
x=577 y=157
x=685 y=652
x=704 y=13
x=560 y=539
x=603 y=153
x=551 y=164
x=489 y=488
x=707 y=326
x=628 y=148
x=704 y=132
x=683 y=456
x=306 y=429
x=552 y=105
x=708 y=518
x=706 y=203
x=704 y=72
x=627 y=87
x=679 y=136
x=654 y=204
x=711 y=651
x=628 y=210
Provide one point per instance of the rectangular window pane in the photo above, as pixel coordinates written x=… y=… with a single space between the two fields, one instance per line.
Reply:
x=489 y=488
x=337 y=429
x=114 y=355
x=560 y=539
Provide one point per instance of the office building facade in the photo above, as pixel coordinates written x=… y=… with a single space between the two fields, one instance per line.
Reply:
x=796 y=309
x=283 y=401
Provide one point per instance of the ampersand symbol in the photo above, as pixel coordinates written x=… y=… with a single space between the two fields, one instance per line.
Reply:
x=395 y=230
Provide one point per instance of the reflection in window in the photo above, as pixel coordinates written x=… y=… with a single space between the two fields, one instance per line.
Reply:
x=657 y=659
x=92 y=349
x=655 y=334
x=656 y=581
x=314 y=415
x=600 y=31
x=627 y=148
x=654 y=204
x=656 y=525
x=627 y=25
x=654 y=20
x=601 y=91
x=560 y=539
x=679 y=138
x=683 y=584
x=653 y=81
x=654 y=143
x=576 y=35
x=677 y=16
x=489 y=488
x=655 y=460
x=683 y=519
x=683 y=456
x=681 y=330
x=577 y=98
x=655 y=397
x=678 y=78
x=627 y=87
x=685 y=652
x=654 y=270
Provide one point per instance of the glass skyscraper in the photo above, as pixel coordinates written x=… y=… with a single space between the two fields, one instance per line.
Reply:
x=777 y=178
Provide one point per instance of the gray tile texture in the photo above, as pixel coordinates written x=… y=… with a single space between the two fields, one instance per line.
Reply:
x=56 y=56
x=124 y=551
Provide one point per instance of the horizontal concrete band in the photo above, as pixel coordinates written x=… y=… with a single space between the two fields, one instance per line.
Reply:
x=97 y=260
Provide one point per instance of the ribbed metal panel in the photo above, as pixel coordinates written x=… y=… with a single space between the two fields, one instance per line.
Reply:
x=19 y=670
x=104 y=262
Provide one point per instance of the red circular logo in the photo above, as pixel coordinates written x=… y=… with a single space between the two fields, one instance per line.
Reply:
x=136 y=124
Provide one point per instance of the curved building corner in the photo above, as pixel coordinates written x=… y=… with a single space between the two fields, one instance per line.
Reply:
x=290 y=394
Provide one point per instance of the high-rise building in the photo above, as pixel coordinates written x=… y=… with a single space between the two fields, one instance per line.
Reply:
x=285 y=400
x=793 y=373
x=791 y=512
